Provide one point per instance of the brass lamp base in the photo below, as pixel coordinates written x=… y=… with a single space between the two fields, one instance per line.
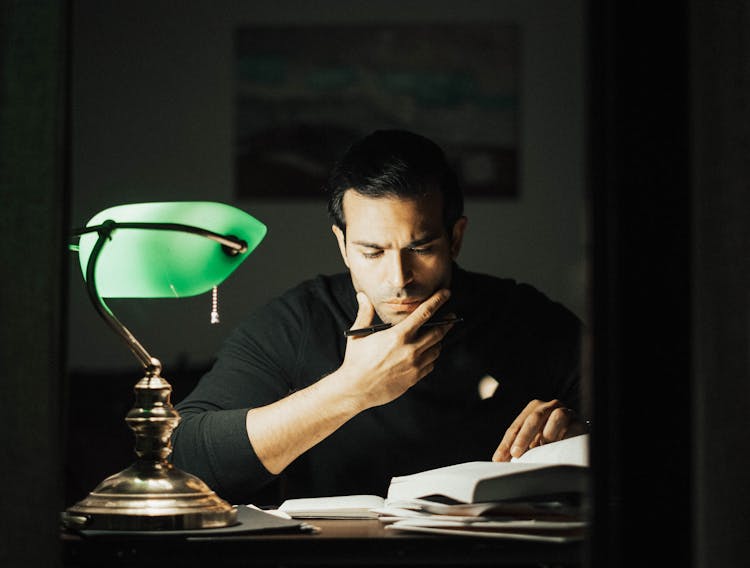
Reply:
x=151 y=494
x=148 y=496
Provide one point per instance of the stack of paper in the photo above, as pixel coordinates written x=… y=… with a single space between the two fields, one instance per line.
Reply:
x=537 y=497
x=339 y=507
x=551 y=521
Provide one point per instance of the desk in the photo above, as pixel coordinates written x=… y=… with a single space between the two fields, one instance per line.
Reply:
x=358 y=543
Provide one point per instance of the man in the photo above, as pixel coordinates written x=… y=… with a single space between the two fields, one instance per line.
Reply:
x=290 y=395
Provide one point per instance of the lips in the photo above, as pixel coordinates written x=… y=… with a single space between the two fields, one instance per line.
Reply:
x=409 y=304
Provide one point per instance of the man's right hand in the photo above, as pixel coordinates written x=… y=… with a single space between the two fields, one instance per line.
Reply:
x=383 y=365
x=377 y=369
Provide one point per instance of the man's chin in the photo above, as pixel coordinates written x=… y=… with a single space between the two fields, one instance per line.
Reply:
x=394 y=316
x=387 y=316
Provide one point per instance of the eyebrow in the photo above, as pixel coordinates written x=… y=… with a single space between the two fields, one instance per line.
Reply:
x=414 y=244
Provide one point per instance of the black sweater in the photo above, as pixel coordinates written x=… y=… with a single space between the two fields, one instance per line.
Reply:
x=511 y=332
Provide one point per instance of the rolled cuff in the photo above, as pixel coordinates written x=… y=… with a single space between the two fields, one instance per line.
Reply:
x=215 y=447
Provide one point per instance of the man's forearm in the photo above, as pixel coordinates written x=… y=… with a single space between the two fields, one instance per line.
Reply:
x=377 y=369
x=285 y=429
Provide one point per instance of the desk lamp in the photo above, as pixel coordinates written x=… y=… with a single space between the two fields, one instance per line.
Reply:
x=157 y=250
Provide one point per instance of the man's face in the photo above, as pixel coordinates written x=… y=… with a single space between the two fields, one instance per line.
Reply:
x=397 y=250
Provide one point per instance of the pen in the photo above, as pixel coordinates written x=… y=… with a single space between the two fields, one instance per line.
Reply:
x=382 y=326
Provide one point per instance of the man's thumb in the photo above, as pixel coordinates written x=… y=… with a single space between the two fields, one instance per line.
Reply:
x=364 y=312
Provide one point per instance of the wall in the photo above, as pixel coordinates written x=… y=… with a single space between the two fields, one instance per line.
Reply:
x=152 y=119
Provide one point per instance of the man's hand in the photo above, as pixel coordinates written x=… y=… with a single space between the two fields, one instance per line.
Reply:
x=539 y=423
x=377 y=369
x=386 y=364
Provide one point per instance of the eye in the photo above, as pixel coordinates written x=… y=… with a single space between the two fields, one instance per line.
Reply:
x=421 y=250
x=374 y=254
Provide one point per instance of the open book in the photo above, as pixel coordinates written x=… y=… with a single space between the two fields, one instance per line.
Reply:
x=549 y=470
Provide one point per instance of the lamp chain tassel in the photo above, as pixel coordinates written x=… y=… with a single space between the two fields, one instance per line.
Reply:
x=215 y=305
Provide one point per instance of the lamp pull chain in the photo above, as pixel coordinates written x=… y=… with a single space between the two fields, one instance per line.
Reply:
x=215 y=305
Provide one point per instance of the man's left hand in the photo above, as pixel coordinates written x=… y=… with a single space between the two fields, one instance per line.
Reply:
x=539 y=423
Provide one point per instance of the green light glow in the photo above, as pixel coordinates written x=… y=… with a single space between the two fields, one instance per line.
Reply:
x=146 y=263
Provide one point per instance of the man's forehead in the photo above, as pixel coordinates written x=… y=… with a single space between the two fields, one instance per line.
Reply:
x=429 y=204
x=370 y=217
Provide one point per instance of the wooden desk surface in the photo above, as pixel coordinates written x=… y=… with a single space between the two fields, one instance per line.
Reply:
x=359 y=543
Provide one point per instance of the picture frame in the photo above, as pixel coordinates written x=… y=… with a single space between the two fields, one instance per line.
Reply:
x=304 y=93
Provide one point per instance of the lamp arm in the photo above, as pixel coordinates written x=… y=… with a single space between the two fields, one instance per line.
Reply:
x=231 y=244
x=151 y=364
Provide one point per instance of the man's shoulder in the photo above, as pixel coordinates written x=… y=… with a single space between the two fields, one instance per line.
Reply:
x=317 y=299
x=493 y=293
x=478 y=282
x=325 y=295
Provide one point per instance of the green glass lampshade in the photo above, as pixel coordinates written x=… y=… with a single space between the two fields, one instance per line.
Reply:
x=152 y=263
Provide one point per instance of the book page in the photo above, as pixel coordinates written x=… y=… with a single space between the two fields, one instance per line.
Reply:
x=573 y=451
x=498 y=481
x=338 y=507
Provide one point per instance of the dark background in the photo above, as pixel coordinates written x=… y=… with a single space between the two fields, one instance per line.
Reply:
x=668 y=356
x=156 y=113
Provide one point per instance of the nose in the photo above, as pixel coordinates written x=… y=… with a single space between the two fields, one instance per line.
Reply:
x=399 y=270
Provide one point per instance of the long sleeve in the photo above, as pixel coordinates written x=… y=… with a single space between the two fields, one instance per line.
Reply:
x=285 y=346
x=255 y=367
x=512 y=332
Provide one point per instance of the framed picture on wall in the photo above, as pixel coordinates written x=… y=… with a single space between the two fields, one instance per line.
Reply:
x=304 y=93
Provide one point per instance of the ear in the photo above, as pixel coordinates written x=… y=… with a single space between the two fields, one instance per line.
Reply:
x=341 y=239
x=457 y=236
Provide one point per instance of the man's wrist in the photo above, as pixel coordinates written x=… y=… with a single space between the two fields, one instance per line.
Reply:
x=341 y=385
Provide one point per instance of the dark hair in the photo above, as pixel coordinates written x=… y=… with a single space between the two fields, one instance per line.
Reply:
x=394 y=163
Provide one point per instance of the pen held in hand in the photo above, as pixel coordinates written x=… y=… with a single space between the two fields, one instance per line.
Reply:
x=381 y=326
